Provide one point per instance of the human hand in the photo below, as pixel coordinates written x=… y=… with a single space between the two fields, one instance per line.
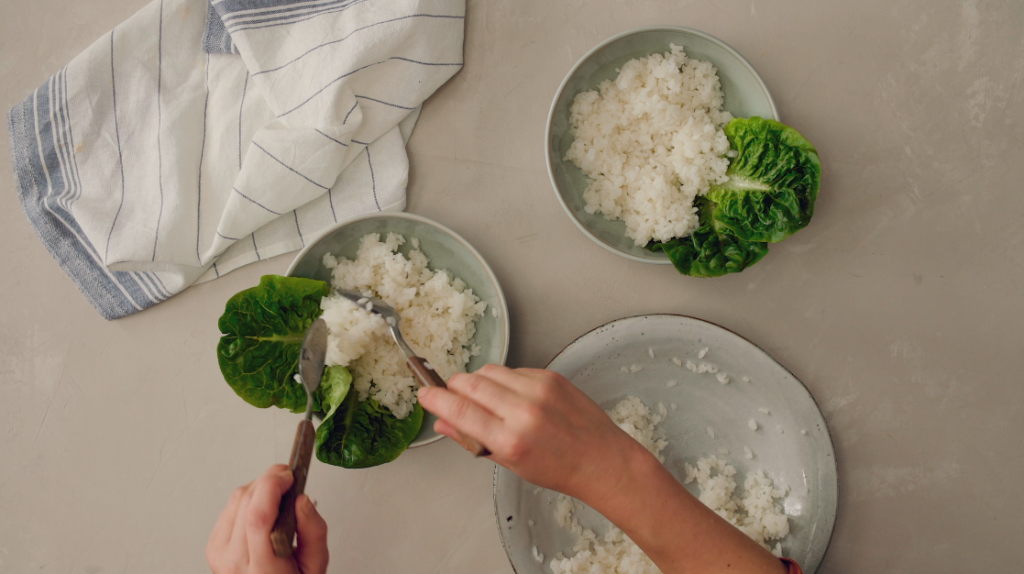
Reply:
x=538 y=425
x=240 y=541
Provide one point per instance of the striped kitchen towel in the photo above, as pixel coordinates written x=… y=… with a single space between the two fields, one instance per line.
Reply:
x=196 y=138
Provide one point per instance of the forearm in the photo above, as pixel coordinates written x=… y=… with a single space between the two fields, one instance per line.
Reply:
x=673 y=528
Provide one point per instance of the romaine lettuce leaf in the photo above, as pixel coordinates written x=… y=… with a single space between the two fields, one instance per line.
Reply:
x=362 y=434
x=773 y=181
x=334 y=388
x=262 y=331
x=712 y=250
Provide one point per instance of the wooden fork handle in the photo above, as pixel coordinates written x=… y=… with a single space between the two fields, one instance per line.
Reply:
x=284 y=527
x=429 y=377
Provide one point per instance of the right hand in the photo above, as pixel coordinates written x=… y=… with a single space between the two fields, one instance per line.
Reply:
x=240 y=542
x=539 y=426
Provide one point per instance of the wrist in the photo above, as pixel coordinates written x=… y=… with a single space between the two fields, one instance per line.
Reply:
x=630 y=467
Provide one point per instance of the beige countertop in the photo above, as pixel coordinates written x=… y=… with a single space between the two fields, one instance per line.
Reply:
x=901 y=306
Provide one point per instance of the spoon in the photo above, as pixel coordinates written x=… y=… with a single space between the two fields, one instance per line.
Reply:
x=311 y=370
x=419 y=366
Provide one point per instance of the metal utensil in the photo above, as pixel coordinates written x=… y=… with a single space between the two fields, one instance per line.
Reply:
x=311 y=370
x=423 y=371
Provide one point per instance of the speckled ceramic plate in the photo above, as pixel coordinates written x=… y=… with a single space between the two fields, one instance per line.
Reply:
x=445 y=249
x=745 y=95
x=803 y=462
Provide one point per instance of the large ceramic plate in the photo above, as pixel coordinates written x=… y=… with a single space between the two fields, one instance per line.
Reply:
x=445 y=249
x=745 y=95
x=803 y=462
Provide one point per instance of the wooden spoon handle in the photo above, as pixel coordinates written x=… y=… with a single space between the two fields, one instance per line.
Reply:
x=283 y=534
x=429 y=377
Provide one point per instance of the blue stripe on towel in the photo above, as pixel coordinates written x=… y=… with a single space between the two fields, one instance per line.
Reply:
x=347 y=36
x=293 y=16
x=231 y=6
x=37 y=169
x=237 y=12
x=216 y=39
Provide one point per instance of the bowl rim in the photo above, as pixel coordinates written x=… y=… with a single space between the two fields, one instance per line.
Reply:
x=831 y=441
x=506 y=331
x=561 y=88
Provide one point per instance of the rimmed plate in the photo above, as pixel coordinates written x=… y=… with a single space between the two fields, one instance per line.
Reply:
x=803 y=462
x=745 y=95
x=444 y=249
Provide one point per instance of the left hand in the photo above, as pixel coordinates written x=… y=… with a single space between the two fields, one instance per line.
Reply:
x=240 y=542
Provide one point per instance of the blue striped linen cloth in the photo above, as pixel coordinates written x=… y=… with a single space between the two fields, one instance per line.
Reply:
x=199 y=137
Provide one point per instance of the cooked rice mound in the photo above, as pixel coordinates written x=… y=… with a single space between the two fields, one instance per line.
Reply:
x=756 y=513
x=438 y=320
x=651 y=141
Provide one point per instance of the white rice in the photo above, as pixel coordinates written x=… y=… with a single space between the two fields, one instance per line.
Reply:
x=703 y=353
x=438 y=314
x=633 y=416
x=722 y=378
x=752 y=424
x=756 y=513
x=651 y=141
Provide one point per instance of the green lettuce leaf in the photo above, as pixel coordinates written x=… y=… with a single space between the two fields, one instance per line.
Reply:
x=361 y=434
x=262 y=331
x=712 y=250
x=773 y=181
x=334 y=388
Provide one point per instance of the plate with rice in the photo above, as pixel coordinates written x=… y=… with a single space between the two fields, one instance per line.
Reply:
x=635 y=134
x=738 y=429
x=453 y=310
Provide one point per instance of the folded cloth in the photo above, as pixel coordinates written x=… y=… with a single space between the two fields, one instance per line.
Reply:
x=194 y=138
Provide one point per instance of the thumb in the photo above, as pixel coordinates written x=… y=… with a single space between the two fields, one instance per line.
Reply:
x=311 y=529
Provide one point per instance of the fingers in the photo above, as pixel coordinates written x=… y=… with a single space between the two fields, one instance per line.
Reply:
x=311 y=551
x=237 y=550
x=262 y=512
x=485 y=392
x=463 y=414
x=220 y=538
x=221 y=534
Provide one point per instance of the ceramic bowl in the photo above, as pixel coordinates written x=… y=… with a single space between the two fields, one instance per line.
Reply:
x=444 y=249
x=803 y=461
x=745 y=96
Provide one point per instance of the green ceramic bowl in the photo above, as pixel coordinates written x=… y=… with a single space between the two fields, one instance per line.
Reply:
x=745 y=96
x=445 y=250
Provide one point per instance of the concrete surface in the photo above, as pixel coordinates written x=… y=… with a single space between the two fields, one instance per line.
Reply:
x=901 y=306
